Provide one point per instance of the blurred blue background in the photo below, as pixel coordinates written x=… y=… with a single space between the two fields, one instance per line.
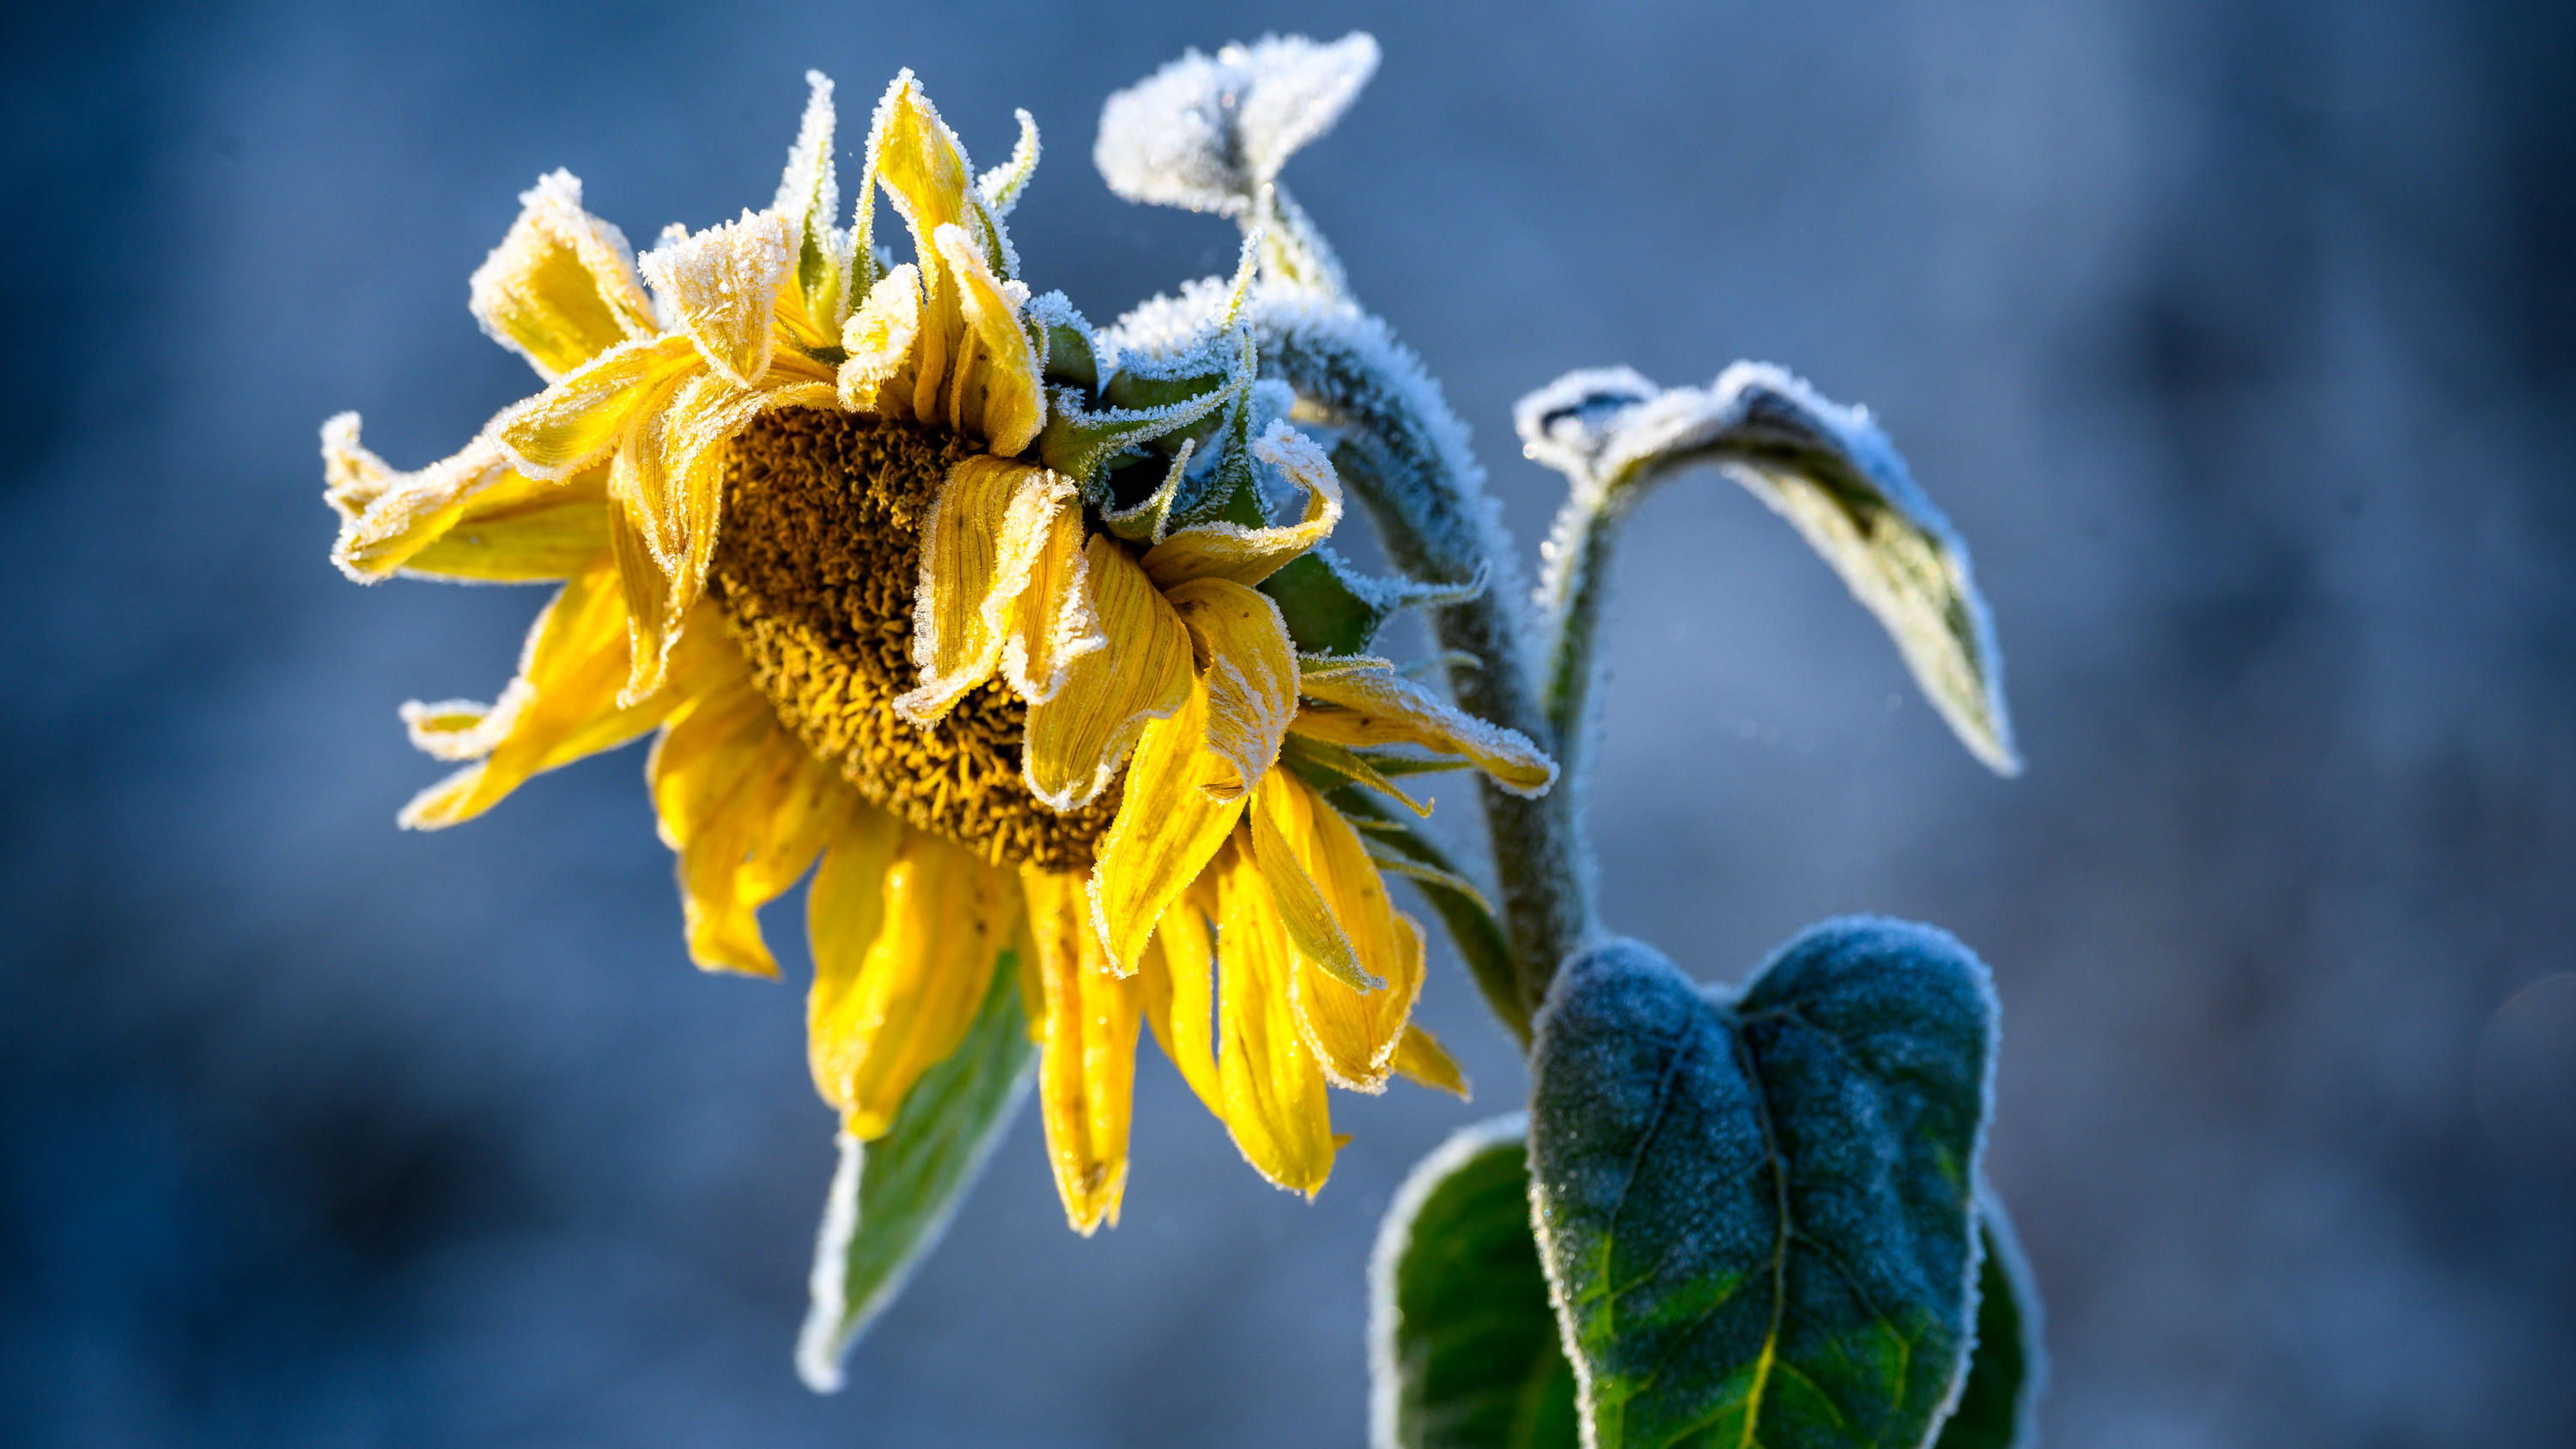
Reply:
x=2239 y=339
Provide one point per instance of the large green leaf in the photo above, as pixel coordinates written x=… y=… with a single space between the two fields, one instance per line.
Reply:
x=1999 y=1406
x=892 y=1198
x=1757 y=1215
x=1463 y=1346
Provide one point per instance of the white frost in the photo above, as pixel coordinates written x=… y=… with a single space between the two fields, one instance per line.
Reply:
x=1208 y=132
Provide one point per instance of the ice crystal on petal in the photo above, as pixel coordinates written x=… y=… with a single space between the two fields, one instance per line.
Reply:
x=1206 y=133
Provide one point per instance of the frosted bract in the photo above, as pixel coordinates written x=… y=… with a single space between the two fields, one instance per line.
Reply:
x=1207 y=132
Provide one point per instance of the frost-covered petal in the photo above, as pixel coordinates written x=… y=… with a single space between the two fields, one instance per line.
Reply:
x=1079 y=737
x=722 y=285
x=809 y=198
x=980 y=547
x=1250 y=668
x=561 y=707
x=1087 y=1051
x=577 y=421
x=528 y=527
x=1303 y=910
x=994 y=390
x=1374 y=705
x=1056 y=625
x=879 y=339
x=907 y=931
x=1273 y=1088
x=1166 y=830
x=560 y=288
x=1000 y=188
x=1249 y=555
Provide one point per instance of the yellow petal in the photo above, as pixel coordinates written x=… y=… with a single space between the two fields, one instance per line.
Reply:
x=668 y=480
x=1377 y=706
x=1353 y=1024
x=1250 y=666
x=1178 y=976
x=1303 y=912
x=907 y=931
x=577 y=421
x=1420 y=1058
x=1087 y=1061
x=980 y=545
x=993 y=389
x=1055 y=624
x=720 y=777
x=467 y=516
x=1166 y=829
x=879 y=340
x=722 y=286
x=560 y=288
x=563 y=704
x=1246 y=556
x=1079 y=737
x=1273 y=1088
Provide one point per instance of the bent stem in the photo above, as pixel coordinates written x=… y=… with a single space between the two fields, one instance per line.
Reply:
x=1405 y=456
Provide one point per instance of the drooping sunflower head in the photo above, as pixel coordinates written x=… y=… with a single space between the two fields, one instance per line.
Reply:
x=1017 y=635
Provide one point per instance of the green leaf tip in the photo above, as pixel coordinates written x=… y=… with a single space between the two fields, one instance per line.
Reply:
x=891 y=1199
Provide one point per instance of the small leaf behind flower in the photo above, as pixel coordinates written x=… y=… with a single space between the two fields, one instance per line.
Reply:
x=1999 y=1406
x=1758 y=1218
x=892 y=1198
x=1462 y=1344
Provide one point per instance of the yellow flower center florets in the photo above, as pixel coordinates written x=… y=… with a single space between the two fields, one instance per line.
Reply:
x=815 y=570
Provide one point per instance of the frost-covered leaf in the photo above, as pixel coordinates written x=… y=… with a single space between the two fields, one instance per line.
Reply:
x=1758 y=1216
x=1462 y=1344
x=892 y=1198
x=1206 y=132
x=1210 y=134
x=1999 y=1406
x=1825 y=468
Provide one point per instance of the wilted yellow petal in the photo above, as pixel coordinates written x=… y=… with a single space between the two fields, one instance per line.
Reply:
x=1353 y=1030
x=993 y=388
x=720 y=777
x=515 y=527
x=1250 y=667
x=1246 y=556
x=979 y=546
x=1166 y=829
x=1303 y=912
x=1179 y=980
x=1377 y=706
x=722 y=286
x=1055 y=624
x=1420 y=1058
x=577 y=422
x=879 y=340
x=563 y=704
x=906 y=938
x=668 y=479
x=1273 y=1088
x=1087 y=1052
x=560 y=288
x=1078 y=738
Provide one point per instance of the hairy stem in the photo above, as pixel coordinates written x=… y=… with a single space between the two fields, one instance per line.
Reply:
x=1405 y=456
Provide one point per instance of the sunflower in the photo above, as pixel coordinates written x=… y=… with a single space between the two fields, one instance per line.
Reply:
x=928 y=594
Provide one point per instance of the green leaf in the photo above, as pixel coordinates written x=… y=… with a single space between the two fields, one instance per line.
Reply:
x=1757 y=1215
x=892 y=1198
x=1999 y=1407
x=1462 y=1344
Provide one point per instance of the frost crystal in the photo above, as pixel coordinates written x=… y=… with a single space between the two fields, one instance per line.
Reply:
x=1207 y=133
